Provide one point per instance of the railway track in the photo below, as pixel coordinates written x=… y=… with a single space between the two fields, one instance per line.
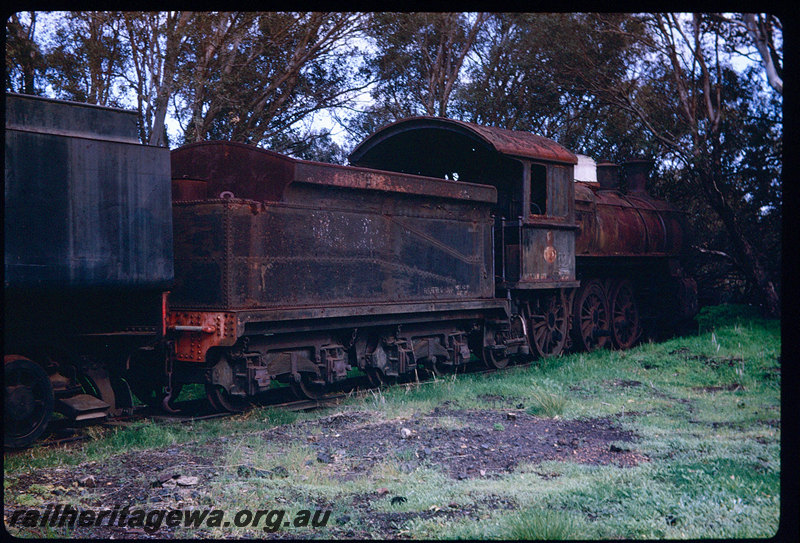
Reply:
x=189 y=411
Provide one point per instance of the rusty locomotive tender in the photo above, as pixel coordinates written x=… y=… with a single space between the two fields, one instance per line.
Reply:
x=132 y=269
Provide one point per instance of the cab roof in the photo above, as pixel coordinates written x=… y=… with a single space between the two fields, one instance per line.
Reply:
x=393 y=140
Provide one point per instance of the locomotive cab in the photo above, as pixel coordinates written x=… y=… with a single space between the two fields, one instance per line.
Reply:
x=535 y=211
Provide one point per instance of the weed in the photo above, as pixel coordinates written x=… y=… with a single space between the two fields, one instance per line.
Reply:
x=545 y=403
x=536 y=524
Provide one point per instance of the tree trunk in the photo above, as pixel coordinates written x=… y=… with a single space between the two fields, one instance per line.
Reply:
x=174 y=35
x=745 y=253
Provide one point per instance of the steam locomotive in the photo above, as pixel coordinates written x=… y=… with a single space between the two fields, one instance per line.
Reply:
x=130 y=270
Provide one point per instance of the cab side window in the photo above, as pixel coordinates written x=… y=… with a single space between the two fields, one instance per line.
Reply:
x=538 y=189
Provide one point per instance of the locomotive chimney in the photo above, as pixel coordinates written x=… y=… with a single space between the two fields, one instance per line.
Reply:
x=636 y=175
x=608 y=175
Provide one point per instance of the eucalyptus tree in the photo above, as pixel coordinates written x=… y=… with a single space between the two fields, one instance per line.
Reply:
x=249 y=76
x=416 y=65
x=88 y=57
x=537 y=71
x=24 y=60
x=155 y=41
x=685 y=92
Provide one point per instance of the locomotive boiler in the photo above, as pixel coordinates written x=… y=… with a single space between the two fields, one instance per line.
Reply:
x=443 y=243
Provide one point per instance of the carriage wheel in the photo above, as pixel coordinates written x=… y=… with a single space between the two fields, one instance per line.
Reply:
x=28 y=402
x=306 y=389
x=547 y=324
x=625 y=324
x=590 y=319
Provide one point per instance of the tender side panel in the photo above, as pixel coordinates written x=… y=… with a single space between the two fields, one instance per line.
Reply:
x=244 y=255
x=85 y=212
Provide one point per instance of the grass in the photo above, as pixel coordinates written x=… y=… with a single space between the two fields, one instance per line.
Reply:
x=546 y=403
x=706 y=409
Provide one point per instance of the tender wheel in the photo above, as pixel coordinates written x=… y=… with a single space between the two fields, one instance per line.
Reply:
x=28 y=401
x=547 y=324
x=221 y=400
x=307 y=389
x=591 y=317
x=379 y=379
x=625 y=323
x=493 y=359
x=146 y=377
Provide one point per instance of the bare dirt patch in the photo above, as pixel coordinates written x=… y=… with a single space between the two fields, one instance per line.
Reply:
x=487 y=443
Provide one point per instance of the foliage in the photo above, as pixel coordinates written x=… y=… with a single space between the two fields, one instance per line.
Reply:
x=87 y=59
x=24 y=60
x=250 y=77
x=691 y=100
x=717 y=316
x=244 y=76
x=416 y=65
x=613 y=86
x=523 y=79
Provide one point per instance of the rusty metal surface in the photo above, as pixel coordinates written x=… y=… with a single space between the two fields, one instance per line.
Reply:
x=195 y=332
x=548 y=255
x=608 y=175
x=219 y=169
x=243 y=171
x=362 y=178
x=187 y=190
x=636 y=172
x=506 y=142
x=375 y=314
x=537 y=256
x=350 y=247
x=616 y=224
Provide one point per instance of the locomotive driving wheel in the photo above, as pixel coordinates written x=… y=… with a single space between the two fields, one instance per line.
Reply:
x=548 y=324
x=625 y=323
x=28 y=402
x=590 y=319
